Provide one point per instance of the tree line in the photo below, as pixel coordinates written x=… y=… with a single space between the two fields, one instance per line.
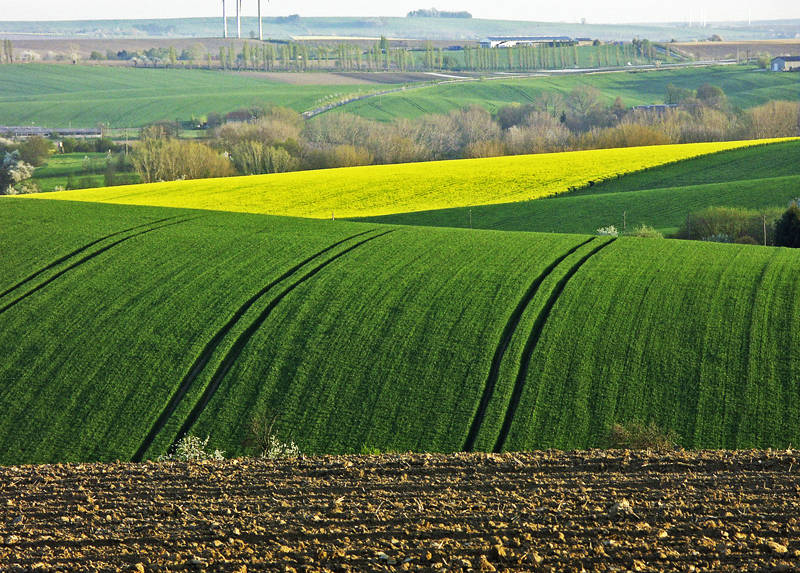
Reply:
x=255 y=140
x=380 y=56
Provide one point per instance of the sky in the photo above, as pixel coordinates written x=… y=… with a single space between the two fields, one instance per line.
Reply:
x=609 y=11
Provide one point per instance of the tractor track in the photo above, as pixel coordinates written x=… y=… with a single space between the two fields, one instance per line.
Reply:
x=500 y=352
x=238 y=346
x=533 y=341
x=211 y=347
x=86 y=259
x=78 y=252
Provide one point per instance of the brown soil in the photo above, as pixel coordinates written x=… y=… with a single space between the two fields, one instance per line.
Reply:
x=341 y=79
x=730 y=50
x=546 y=511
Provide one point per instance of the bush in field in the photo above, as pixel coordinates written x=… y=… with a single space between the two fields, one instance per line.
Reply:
x=158 y=157
x=646 y=232
x=35 y=150
x=730 y=224
x=192 y=449
x=774 y=119
x=13 y=172
x=261 y=436
x=337 y=156
x=787 y=228
x=638 y=436
x=610 y=231
x=255 y=157
x=718 y=238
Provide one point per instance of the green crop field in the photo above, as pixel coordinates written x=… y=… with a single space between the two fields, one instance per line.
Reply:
x=87 y=96
x=755 y=178
x=745 y=87
x=124 y=326
x=83 y=170
x=390 y=189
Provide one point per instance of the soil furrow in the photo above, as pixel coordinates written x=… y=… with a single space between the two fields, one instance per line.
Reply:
x=536 y=511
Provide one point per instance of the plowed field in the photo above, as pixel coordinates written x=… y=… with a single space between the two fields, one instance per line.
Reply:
x=548 y=511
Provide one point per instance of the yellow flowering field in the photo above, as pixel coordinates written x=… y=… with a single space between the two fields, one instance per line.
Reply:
x=387 y=189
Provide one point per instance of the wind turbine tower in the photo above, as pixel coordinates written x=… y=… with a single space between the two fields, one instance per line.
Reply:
x=224 y=21
x=260 y=23
x=239 y=19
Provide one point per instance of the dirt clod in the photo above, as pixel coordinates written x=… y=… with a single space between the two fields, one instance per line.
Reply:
x=600 y=510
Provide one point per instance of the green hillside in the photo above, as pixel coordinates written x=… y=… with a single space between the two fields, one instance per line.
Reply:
x=757 y=177
x=123 y=326
x=745 y=87
x=54 y=95
x=86 y=96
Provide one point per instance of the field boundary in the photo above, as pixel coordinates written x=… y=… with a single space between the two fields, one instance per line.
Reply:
x=76 y=252
x=500 y=351
x=212 y=345
x=533 y=341
x=238 y=346
x=85 y=259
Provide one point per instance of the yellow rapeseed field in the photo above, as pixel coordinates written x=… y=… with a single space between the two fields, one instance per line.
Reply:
x=387 y=189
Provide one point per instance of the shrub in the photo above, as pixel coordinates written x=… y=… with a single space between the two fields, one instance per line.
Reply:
x=13 y=171
x=163 y=159
x=35 y=150
x=638 y=436
x=646 y=232
x=729 y=224
x=255 y=157
x=26 y=187
x=787 y=228
x=610 y=231
x=261 y=436
x=718 y=238
x=192 y=449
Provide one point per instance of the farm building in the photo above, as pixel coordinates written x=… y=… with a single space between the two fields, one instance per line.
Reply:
x=786 y=64
x=512 y=41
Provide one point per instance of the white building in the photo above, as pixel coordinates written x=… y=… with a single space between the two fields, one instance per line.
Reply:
x=786 y=64
x=512 y=41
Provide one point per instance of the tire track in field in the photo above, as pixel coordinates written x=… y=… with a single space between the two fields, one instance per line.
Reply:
x=533 y=341
x=211 y=346
x=77 y=252
x=85 y=259
x=238 y=347
x=505 y=340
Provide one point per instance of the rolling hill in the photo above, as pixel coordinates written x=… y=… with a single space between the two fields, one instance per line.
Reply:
x=54 y=95
x=390 y=189
x=124 y=326
x=755 y=178
x=745 y=87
